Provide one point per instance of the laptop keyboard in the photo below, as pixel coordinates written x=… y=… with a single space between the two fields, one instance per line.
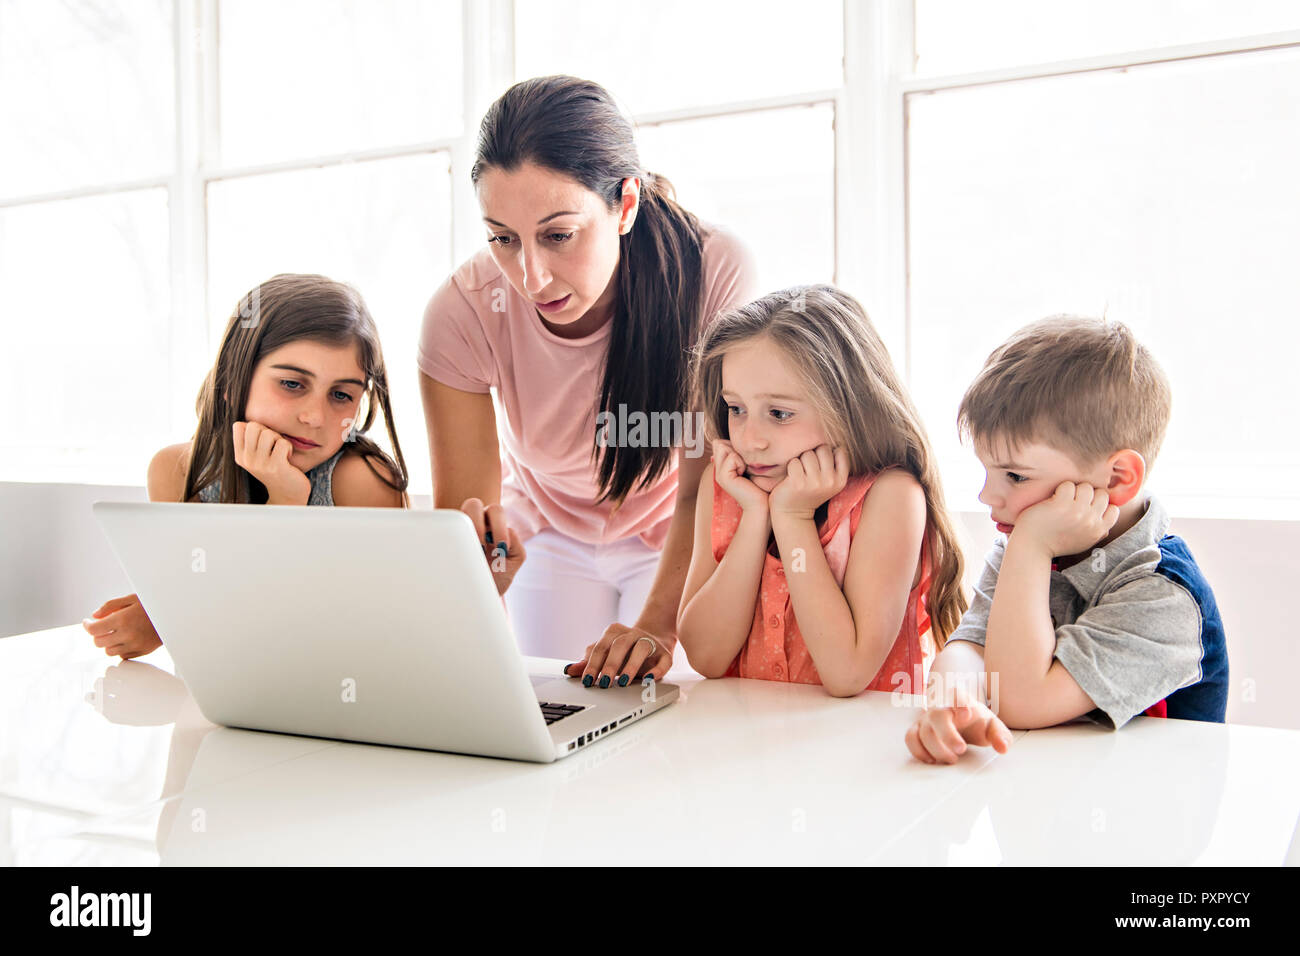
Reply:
x=554 y=712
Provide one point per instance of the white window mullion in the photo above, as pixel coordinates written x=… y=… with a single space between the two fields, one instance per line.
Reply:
x=736 y=108
x=1108 y=61
x=870 y=170
x=189 y=344
x=489 y=63
x=86 y=192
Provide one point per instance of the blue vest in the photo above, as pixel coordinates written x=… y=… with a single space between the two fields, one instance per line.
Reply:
x=1208 y=698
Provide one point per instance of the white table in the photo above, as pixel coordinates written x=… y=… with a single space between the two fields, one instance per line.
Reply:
x=109 y=763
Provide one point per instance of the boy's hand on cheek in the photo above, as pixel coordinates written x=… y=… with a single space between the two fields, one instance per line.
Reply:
x=814 y=477
x=1074 y=519
x=264 y=454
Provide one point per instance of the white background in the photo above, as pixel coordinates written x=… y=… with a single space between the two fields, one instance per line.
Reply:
x=962 y=167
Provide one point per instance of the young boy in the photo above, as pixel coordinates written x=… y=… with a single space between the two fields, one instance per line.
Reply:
x=1087 y=607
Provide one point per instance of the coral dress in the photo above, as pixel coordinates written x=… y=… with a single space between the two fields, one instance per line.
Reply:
x=775 y=649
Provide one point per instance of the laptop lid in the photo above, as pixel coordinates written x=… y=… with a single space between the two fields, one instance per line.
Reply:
x=369 y=624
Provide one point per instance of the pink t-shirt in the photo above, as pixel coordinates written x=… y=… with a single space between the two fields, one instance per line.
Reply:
x=545 y=390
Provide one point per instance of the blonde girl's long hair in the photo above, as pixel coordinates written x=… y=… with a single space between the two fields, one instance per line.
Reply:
x=826 y=336
x=281 y=310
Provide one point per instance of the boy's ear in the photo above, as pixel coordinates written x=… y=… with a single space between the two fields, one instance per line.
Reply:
x=1128 y=470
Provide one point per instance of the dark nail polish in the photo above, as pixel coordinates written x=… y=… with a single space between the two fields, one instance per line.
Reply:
x=487 y=536
x=586 y=680
x=622 y=680
x=502 y=549
x=604 y=680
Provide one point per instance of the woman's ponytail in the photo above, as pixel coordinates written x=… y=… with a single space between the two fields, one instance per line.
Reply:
x=574 y=127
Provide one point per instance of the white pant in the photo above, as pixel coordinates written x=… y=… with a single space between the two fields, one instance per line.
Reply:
x=567 y=592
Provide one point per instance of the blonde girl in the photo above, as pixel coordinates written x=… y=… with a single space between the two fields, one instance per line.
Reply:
x=823 y=553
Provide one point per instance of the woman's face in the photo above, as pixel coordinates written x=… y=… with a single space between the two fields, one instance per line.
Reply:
x=557 y=243
x=308 y=392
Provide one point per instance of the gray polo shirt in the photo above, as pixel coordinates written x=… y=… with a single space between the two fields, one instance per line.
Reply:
x=1136 y=625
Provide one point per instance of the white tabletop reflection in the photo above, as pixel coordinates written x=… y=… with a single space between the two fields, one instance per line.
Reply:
x=108 y=763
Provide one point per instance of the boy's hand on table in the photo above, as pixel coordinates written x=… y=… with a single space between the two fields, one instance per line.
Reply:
x=122 y=628
x=1074 y=519
x=264 y=454
x=942 y=733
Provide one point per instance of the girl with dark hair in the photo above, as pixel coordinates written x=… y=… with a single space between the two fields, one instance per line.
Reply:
x=283 y=416
x=578 y=318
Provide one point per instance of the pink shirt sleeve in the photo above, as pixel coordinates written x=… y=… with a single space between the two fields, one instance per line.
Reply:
x=453 y=348
x=730 y=274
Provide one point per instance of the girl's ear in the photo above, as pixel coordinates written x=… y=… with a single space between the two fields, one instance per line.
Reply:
x=1128 y=469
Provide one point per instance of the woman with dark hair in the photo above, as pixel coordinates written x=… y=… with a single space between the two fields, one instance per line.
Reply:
x=578 y=318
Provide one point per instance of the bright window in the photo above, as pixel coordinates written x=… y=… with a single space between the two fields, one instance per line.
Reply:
x=1162 y=196
x=308 y=77
x=963 y=36
x=676 y=54
x=85 y=94
x=739 y=116
x=774 y=188
x=162 y=156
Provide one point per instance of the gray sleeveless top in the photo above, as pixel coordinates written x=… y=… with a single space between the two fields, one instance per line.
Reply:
x=321 y=478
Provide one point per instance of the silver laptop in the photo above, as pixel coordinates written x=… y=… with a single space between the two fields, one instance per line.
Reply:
x=376 y=625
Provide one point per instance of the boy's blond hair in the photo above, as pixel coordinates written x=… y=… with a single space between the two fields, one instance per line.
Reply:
x=1084 y=386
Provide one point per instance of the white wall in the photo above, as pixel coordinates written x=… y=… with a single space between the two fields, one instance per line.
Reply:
x=56 y=567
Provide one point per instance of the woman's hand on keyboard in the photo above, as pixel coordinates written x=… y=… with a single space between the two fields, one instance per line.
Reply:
x=623 y=654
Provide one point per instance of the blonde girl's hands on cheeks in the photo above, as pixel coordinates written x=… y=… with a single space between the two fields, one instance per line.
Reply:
x=810 y=480
x=729 y=470
x=942 y=733
x=1074 y=519
x=501 y=546
x=264 y=454
x=122 y=628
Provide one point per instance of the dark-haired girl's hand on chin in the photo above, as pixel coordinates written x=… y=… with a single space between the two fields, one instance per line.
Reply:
x=264 y=454
x=813 y=478
x=501 y=546
x=729 y=470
